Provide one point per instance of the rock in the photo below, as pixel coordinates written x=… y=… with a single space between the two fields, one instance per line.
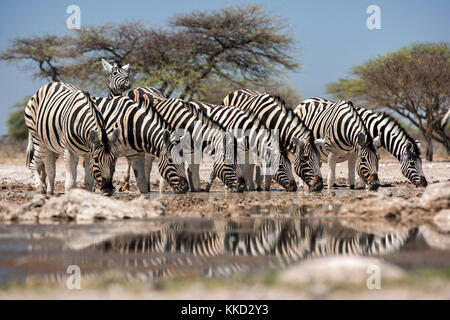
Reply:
x=435 y=238
x=340 y=269
x=442 y=220
x=81 y=205
x=436 y=192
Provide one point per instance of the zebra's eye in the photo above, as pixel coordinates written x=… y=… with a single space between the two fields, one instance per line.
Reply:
x=114 y=73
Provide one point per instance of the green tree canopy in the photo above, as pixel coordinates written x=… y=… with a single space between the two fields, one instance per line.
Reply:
x=16 y=121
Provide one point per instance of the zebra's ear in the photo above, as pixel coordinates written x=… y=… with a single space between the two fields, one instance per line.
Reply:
x=418 y=143
x=377 y=142
x=300 y=144
x=107 y=66
x=361 y=139
x=114 y=136
x=126 y=67
x=319 y=142
x=242 y=142
x=166 y=138
x=93 y=137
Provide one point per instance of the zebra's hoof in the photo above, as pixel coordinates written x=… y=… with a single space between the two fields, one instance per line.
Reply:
x=352 y=186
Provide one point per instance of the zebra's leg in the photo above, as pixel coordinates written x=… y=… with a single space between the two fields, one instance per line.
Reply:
x=36 y=166
x=49 y=159
x=331 y=170
x=258 y=178
x=138 y=164
x=148 y=168
x=88 y=178
x=267 y=182
x=126 y=178
x=249 y=174
x=351 y=171
x=71 y=162
x=212 y=177
x=194 y=177
x=163 y=184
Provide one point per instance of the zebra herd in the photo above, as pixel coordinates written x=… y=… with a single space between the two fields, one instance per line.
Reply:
x=252 y=137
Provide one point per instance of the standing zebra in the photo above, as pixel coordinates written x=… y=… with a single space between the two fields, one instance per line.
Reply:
x=119 y=78
x=295 y=137
x=62 y=120
x=144 y=131
x=346 y=139
x=206 y=136
x=261 y=142
x=394 y=138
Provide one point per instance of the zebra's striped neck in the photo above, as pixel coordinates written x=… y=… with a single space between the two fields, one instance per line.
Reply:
x=393 y=136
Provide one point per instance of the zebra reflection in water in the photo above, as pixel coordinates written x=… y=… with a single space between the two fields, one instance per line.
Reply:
x=224 y=248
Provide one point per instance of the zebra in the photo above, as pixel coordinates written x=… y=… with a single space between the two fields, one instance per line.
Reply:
x=144 y=131
x=346 y=139
x=119 y=78
x=119 y=81
x=63 y=120
x=393 y=137
x=206 y=136
x=295 y=138
x=261 y=142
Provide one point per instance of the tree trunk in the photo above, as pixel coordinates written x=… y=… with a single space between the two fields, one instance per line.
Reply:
x=429 y=152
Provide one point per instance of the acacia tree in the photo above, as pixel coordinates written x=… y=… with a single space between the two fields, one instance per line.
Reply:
x=50 y=54
x=414 y=82
x=234 y=43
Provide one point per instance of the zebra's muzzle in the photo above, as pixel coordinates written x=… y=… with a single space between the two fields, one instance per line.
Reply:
x=107 y=188
x=422 y=182
x=316 y=184
x=373 y=182
x=182 y=187
x=291 y=186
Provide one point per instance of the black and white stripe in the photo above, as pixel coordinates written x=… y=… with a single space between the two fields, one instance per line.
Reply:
x=295 y=138
x=62 y=120
x=260 y=142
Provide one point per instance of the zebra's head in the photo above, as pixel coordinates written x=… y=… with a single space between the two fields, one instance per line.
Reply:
x=283 y=174
x=367 y=160
x=171 y=163
x=103 y=159
x=119 y=77
x=225 y=161
x=411 y=164
x=307 y=162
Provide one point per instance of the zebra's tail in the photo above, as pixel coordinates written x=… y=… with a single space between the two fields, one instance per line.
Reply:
x=30 y=150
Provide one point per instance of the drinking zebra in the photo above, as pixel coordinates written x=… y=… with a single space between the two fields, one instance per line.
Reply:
x=394 y=138
x=62 y=120
x=119 y=78
x=206 y=136
x=261 y=143
x=144 y=131
x=346 y=139
x=295 y=137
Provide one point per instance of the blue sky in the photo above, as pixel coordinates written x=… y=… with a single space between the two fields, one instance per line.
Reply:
x=332 y=35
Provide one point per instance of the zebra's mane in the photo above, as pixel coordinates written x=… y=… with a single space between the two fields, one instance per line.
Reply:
x=203 y=117
x=399 y=127
x=357 y=115
x=98 y=119
x=290 y=114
